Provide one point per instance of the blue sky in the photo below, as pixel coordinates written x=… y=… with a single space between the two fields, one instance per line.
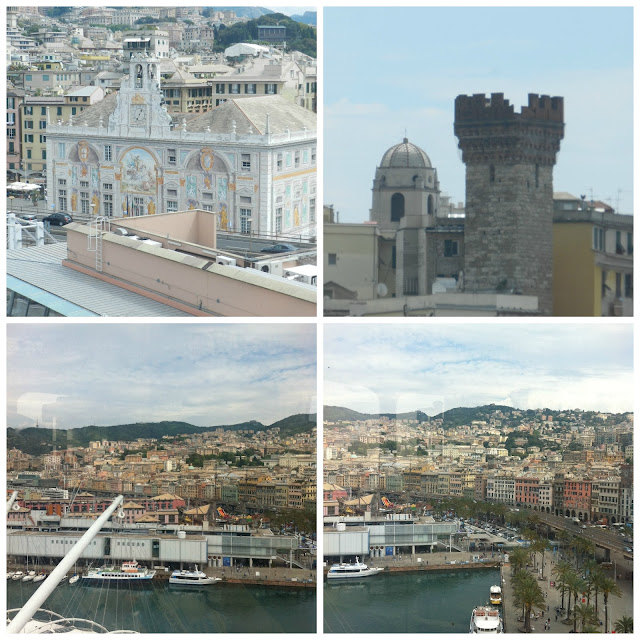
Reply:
x=204 y=374
x=391 y=367
x=387 y=70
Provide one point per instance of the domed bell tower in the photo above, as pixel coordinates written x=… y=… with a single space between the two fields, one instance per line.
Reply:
x=406 y=196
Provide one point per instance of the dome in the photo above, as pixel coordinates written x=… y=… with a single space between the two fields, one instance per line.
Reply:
x=406 y=155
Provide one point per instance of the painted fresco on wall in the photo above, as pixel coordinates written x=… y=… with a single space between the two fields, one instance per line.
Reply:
x=287 y=218
x=222 y=189
x=138 y=172
x=192 y=189
x=94 y=177
x=74 y=176
x=224 y=218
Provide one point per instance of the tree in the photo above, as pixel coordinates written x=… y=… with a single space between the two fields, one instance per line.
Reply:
x=518 y=559
x=609 y=587
x=561 y=571
x=624 y=625
x=528 y=594
x=575 y=586
x=586 y=614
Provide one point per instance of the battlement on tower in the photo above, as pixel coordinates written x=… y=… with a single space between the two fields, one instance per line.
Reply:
x=478 y=109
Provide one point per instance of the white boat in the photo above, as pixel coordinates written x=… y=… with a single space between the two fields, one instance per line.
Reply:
x=29 y=577
x=40 y=577
x=195 y=577
x=351 y=570
x=495 y=594
x=74 y=578
x=485 y=620
x=130 y=571
x=17 y=575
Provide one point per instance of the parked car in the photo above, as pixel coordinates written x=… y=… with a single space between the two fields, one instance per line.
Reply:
x=29 y=217
x=279 y=248
x=58 y=219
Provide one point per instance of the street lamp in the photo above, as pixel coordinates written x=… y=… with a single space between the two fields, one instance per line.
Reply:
x=12 y=198
x=93 y=209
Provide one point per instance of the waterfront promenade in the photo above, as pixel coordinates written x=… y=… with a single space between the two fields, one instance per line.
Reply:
x=618 y=607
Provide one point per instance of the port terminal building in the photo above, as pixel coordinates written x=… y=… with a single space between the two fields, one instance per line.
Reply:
x=345 y=537
x=172 y=547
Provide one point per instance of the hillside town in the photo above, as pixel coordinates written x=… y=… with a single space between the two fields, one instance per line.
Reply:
x=569 y=463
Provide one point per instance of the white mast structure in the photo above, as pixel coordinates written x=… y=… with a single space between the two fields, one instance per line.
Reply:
x=46 y=588
x=11 y=500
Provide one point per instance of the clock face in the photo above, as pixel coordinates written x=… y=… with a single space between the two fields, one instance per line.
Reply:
x=138 y=114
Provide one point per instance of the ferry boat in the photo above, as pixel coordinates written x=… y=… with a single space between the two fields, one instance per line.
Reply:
x=485 y=620
x=128 y=571
x=191 y=578
x=348 y=570
x=495 y=594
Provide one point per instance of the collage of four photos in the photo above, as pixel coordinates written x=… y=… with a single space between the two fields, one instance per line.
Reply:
x=320 y=319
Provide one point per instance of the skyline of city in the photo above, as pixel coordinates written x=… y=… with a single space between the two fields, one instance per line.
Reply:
x=581 y=54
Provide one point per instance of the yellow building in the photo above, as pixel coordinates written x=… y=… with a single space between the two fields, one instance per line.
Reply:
x=592 y=259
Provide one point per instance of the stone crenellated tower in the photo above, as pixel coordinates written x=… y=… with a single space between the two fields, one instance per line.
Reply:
x=509 y=160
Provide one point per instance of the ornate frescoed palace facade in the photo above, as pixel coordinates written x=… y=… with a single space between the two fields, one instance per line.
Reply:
x=252 y=161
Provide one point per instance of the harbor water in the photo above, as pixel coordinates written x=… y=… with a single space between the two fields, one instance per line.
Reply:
x=407 y=602
x=163 y=608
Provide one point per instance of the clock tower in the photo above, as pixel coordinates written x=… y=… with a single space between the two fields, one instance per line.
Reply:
x=140 y=111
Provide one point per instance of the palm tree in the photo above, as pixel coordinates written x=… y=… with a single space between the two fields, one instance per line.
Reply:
x=527 y=592
x=583 y=547
x=575 y=585
x=518 y=559
x=592 y=568
x=596 y=584
x=624 y=625
x=586 y=614
x=560 y=571
x=540 y=545
x=609 y=587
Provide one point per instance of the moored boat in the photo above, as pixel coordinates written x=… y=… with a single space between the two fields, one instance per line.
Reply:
x=17 y=575
x=74 y=578
x=192 y=578
x=130 y=571
x=485 y=620
x=495 y=594
x=351 y=570
x=40 y=577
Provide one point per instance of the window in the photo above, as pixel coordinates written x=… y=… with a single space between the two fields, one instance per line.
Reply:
x=84 y=202
x=107 y=152
x=250 y=88
x=28 y=137
x=296 y=160
x=246 y=161
x=11 y=103
x=234 y=88
x=43 y=110
x=29 y=154
x=397 y=207
x=58 y=111
x=278 y=228
x=618 y=285
x=61 y=150
x=28 y=124
x=44 y=154
x=107 y=204
x=84 y=184
x=279 y=162
x=332 y=258
x=62 y=199
x=107 y=187
x=207 y=207
x=628 y=285
x=11 y=119
x=245 y=199
x=11 y=147
x=630 y=243
x=28 y=111
x=271 y=89
x=207 y=195
x=138 y=206
x=604 y=283
x=245 y=220
x=171 y=156
x=598 y=239
x=450 y=248
x=172 y=205
x=62 y=182
x=43 y=139
x=312 y=209
x=11 y=133
x=220 y=88
x=172 y=193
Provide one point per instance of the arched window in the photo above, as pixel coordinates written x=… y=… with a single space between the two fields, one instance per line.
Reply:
x=430 y=205
x=139 y=76
x=397 y=207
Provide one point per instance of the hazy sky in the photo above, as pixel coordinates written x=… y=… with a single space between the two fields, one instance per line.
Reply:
x=204 y=374
x=387 y=70
x=398 y=368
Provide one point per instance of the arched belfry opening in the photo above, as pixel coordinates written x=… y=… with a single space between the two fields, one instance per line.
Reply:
x=397 y=207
